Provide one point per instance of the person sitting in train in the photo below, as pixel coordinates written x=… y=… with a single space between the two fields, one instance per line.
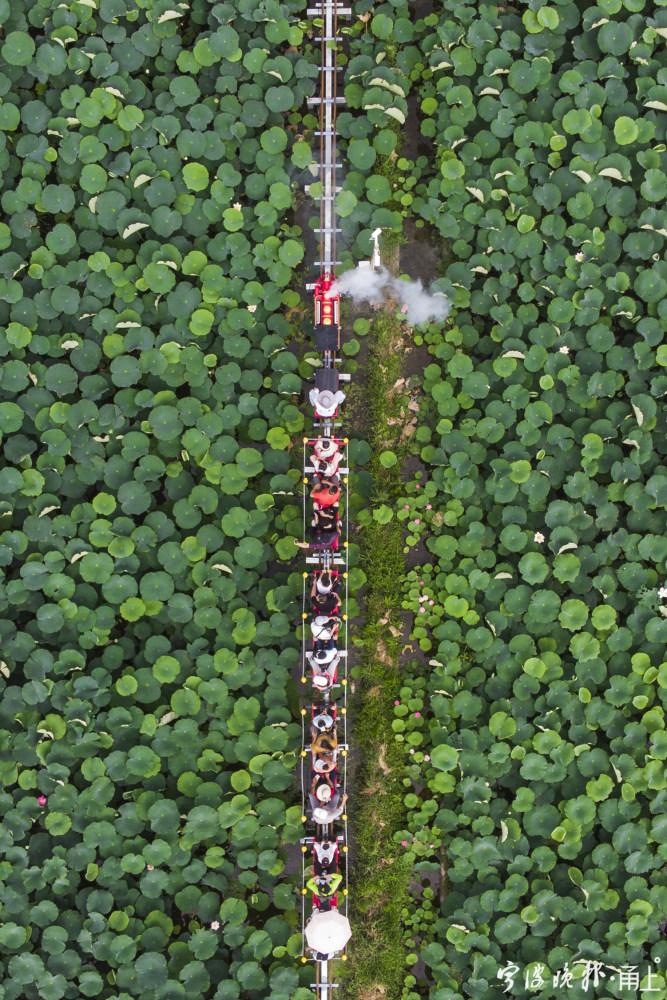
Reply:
x=328 y=812
x=325 y=627
x=325 y=519
x=325 y=401
x=324 y=582
x=324 y=742
x=322 y=793
x=327 y=646
x=326 y=449
x=327 y=457
x=323 y=721
x=324 y=886
x=327 y=603
x=325 y=763
x=324 y=662
x=325 y=493
x=321 y=779
x=323 y=677
x=325 y=855
x=320 y=540
x=326 y=658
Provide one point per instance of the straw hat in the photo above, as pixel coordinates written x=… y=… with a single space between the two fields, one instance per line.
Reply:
x=320 y=815
x=321 y=681
x=325 y=399
x=323 y=793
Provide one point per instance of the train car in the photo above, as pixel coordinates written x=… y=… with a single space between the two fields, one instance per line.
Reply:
x=327 y=305
x=327 y=316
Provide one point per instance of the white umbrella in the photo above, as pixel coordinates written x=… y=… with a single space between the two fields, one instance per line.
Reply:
x=328 y=932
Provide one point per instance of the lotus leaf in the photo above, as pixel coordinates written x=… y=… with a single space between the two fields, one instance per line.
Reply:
x=196 y=176
x=625 y=130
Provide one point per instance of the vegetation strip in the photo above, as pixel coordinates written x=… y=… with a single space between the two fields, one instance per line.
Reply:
x=380 y=886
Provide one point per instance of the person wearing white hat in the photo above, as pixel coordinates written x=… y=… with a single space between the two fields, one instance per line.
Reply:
x=325 y=814
x=324 y=627
x=322 y=791
x=325 y=401
x=322 y=681
x=324 y=664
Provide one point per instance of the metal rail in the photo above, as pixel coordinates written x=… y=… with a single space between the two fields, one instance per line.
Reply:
x=328 y=80
x=333 y=560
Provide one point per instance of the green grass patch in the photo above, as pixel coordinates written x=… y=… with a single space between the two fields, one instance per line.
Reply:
x=381 y=876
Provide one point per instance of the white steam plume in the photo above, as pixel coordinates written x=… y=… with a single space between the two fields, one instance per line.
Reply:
x=366 y=284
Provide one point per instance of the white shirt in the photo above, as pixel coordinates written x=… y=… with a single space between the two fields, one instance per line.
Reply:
x=327 y=466
x=324 y=853
x=327 y=721
x=323 y=630
x=326 y=669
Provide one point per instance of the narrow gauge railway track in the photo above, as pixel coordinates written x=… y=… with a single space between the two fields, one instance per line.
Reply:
x=324 y=658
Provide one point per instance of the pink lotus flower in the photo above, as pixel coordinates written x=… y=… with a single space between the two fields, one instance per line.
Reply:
x=397 y=702
x=404 y=309
x=431 y=603
x=418 y=486
x=412 y=749
x=406 y=506
x=422 y=610
x=417 y=521
x=431 y=845
x=404 y=843
x=41 y=800
x=428 y=506
x=150 y=867
x=538 y=537
x=418 y=715
x=215 y=925
x=427 y=756
x=421 y=583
